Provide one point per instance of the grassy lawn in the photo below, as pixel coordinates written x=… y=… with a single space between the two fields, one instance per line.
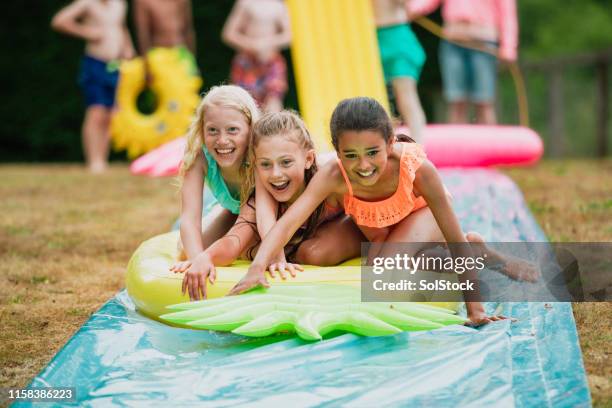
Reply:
x=66 y=237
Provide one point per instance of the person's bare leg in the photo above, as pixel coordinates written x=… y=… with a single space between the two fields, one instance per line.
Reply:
x=103 y=148
x=214 y=225
x=485 y=114
x=511 y=266
x=96 y=137
x=334 y=242
x=420 y=226
x=457 y=112
x=416 y=231
x=409 y=106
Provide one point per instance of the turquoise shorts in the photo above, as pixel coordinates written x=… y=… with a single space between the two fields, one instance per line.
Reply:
x=400 y=52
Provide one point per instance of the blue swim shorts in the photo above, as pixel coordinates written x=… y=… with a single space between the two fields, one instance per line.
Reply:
x=401 y=53
x=98 y=81
x=468 y=74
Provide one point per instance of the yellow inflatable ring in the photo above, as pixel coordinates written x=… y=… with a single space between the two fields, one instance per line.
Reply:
x=153 y=287
x=176 y=88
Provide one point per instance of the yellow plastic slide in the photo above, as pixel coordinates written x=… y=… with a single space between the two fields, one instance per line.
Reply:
x=335 y=56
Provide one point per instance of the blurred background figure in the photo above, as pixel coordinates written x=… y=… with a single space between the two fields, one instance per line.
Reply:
x=101 y=23
x=165 y=23
x=402 y=59
x=258 y=30
x=478 y=33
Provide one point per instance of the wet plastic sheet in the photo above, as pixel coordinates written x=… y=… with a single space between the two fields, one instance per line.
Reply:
x=120 y=358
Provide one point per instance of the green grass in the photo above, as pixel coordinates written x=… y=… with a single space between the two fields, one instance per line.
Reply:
x=66 y=237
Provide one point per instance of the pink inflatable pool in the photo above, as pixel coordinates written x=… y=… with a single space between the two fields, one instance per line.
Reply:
x=482 y=146
x=160 y=162
x=446 y=146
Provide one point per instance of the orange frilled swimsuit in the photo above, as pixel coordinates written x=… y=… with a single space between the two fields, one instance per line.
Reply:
x=390 y=211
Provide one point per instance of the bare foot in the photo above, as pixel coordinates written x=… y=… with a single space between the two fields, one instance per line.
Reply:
x=520 y=269
x=511 y=266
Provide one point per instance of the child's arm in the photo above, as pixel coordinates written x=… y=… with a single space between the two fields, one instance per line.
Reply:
x=508 y=30
x=142 y=21
x=428 y=182
x=222 y=252
x=191 y=207
x=418 y=8
x=127 y=49
x=67 y=21
x=143 y=29
x=267 y=208
x=189 y=30
x=283 y=34
x=322 y=185
x=232 y=33
x=191 y=225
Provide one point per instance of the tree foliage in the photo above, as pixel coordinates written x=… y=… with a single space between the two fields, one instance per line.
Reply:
x=552 y=27
x=41 y=115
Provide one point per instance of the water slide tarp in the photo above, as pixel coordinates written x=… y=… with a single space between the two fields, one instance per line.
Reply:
x=121 y=358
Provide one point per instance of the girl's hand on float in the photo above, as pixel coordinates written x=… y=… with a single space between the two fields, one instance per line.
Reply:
x=194 y=281
x=180 y=266
x=254 y=278
x=281 y=265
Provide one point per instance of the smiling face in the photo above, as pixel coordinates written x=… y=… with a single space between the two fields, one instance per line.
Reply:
x=280 y=163
x=226 y=135
x=364 y=155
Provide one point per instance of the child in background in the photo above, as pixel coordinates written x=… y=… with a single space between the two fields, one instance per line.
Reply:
x=402 y=59
x=391 y=190
x=258 y=30
x=168 y=24
x=468 y=73
x=282 y=158
x=101 y=23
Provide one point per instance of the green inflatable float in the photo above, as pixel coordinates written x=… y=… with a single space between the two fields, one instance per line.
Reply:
x=318 y=301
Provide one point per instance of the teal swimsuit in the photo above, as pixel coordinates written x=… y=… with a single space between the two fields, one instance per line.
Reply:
x=220 y=192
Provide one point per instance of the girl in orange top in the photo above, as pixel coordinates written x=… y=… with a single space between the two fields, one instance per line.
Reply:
x=393 y=193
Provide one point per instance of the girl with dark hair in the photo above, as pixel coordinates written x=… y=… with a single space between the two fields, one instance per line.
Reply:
x=388 y=187
x=281 y=161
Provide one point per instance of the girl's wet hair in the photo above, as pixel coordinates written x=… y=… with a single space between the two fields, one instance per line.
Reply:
x=226 y=96
x=288 y=124
x=359 y=114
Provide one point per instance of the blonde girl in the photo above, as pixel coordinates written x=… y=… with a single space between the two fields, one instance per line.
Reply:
x=217 y=143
